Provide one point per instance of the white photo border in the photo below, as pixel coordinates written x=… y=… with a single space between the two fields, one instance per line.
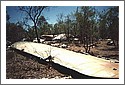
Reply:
x=62 y=3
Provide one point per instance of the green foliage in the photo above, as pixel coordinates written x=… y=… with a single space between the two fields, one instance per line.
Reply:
x=86 y=23
x=86 y=20
x=109 y=24
x=14 y=32
x=113 y=22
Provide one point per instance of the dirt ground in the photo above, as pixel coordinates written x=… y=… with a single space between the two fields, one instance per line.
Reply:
x=101 y=50
x=21 y=67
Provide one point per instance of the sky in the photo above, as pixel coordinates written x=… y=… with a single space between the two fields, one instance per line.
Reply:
x=50 y=14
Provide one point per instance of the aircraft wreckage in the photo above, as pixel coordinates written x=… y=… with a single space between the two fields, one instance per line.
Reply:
x=84 y=64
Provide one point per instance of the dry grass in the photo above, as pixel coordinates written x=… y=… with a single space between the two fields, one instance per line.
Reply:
x=20 y=67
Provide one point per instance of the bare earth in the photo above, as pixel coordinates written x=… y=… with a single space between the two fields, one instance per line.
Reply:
x=101 y=50
x=20 y=67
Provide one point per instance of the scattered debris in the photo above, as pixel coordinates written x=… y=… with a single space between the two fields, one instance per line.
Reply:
x=110 y=43
x=41 y=40
x=55 y=45
x=63 y=46
x=60 y=37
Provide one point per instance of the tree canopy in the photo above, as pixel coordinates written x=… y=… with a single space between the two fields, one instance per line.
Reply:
x=85 y=23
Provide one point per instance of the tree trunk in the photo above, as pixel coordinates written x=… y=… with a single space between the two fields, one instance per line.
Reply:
x=37 y=34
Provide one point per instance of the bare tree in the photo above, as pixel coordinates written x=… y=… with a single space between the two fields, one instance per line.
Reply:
x=33 y=13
